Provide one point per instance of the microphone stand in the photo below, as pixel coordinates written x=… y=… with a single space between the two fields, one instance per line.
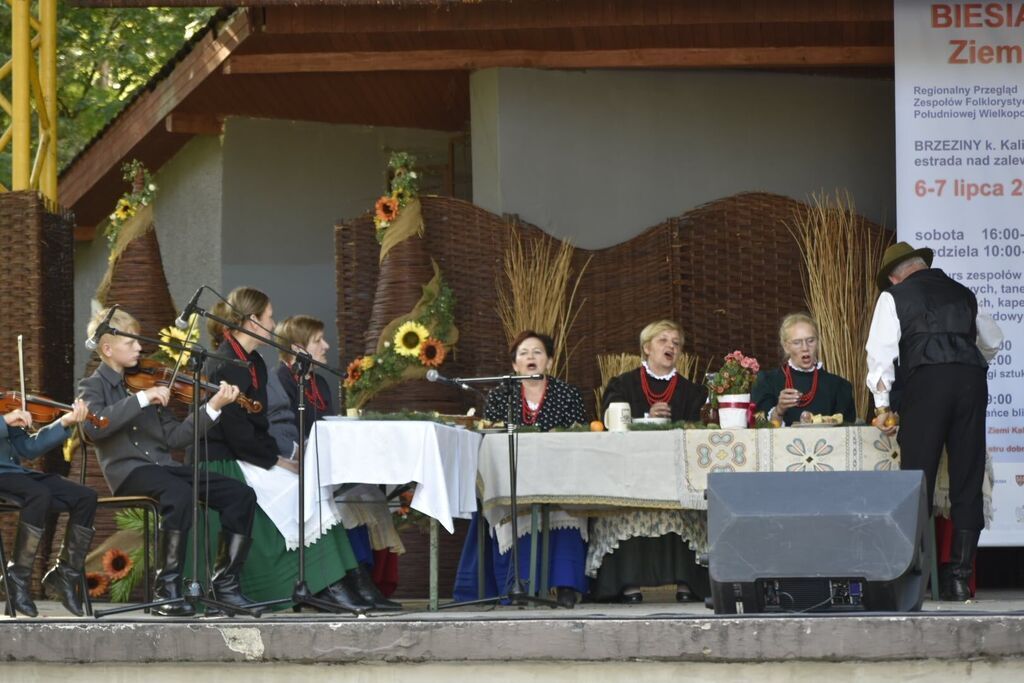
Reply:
x=301 y=594
x=517 y=594
x=194 y=593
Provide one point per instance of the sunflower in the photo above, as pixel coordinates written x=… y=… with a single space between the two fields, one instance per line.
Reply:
x=354 y=371
x=124 y=210
x=387 y=209
x=116 y=564
x=97 y=583
x=432 y=352
x=408 y=338
x=400 y=195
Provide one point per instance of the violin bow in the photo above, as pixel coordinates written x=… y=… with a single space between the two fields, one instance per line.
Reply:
x=21 y=369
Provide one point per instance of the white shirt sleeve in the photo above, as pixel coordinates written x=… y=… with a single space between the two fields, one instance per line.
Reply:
x=143 y=398
x=883 y=348
x=990 y=337
x=211 y=411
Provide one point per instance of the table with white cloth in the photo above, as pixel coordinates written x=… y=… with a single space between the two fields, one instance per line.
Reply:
x=441 y=460
x=594 y=474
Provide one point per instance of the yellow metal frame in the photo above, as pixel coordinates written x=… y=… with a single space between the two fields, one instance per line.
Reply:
x=33 y=87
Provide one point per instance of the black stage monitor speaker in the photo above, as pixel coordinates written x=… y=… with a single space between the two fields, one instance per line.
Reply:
x=817 y=541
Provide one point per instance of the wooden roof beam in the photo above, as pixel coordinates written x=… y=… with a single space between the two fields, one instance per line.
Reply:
x=149 y=112
x=194 y=124
x=468 y=60
x=576 y=14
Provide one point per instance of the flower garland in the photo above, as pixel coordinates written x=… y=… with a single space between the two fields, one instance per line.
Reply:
x=142 y=193
x=404 y=188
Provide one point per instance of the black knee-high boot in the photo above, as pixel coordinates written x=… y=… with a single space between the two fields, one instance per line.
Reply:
x=226 y=583
x=955 y=576
x=169 y=575
x=19 y=569
x=64 y=580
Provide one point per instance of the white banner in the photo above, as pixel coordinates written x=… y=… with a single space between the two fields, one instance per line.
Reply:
x=960 y=191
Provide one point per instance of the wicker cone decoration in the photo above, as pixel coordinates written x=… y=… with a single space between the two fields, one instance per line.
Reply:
x=409 y=282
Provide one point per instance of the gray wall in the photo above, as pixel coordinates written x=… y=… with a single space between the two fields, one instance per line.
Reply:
x=599 y=156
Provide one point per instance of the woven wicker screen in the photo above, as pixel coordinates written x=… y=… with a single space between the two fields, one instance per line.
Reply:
x=728 y=271
x=36 y=280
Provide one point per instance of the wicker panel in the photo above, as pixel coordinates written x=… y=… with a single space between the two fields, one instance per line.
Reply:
x=36 y=276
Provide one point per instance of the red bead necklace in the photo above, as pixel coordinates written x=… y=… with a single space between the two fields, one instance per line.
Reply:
x=805 y=399
x=242 y=355
x=529 y=414
x=663 y=397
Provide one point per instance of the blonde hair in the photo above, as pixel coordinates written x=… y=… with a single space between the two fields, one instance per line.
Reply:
x=788 y=322
x=121 y=320
x=242 y=303
x=656 y=328
x=297 y=329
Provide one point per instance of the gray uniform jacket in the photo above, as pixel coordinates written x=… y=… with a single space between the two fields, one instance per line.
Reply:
x=135 y=436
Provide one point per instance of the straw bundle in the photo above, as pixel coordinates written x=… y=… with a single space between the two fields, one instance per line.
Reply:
x=538 y=292
x=841 y=254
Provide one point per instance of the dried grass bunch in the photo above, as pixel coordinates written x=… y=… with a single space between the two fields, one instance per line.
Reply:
x=841 y=254
x=537 y=291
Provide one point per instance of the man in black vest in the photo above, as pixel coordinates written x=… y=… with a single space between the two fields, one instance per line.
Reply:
x=930 y=323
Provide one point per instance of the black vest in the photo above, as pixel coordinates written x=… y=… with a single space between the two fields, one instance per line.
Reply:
x=937 y=321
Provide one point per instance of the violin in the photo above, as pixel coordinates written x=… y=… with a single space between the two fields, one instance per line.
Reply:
x=42 y=409
x=152 y=373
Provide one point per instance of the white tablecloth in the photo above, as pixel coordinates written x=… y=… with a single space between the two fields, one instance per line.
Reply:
x=441 y=460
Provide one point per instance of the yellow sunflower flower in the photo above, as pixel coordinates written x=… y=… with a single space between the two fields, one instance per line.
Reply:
x=408 y=338
x=366 y=362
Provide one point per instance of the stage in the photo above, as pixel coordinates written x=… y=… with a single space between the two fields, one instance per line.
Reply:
x=981 y=640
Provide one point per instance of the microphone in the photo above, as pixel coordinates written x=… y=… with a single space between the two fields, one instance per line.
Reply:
x=182 y=322
x=92 y=342
x=435 y=376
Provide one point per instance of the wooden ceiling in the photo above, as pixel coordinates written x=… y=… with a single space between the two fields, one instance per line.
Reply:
x=408 y=63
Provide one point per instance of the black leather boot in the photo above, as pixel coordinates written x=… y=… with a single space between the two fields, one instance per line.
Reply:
x=168 y=576
x=955 y=576
x=64 y=580
x=19 y=569
x=340 y=594
x=226 y=584
x=359 y=581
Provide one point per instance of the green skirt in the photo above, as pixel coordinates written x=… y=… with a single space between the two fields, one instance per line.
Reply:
x=270 y=571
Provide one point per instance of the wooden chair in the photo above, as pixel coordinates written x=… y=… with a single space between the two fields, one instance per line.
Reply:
x=149 y=506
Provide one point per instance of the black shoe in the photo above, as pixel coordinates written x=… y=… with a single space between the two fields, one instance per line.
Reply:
x=565 y=597
x=347 y=599
x=19 y=569
x=631 y=598
x=168 y=576
x=361 y=583
x=955 y=577
x=64 y=580
x=684 y=594
x=226 y=585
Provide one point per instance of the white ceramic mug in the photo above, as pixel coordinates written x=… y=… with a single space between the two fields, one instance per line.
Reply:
x=618 y=417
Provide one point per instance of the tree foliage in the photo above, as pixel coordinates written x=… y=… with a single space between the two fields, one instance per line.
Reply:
x=104 y=56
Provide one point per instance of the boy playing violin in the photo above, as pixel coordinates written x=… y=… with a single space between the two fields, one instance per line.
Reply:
x=38 y=494
x=134 y=451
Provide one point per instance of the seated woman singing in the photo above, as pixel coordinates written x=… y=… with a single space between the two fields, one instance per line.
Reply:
x=649 y=547
x=801 y=383
x=544 y=403
x=306 y=333
x=241 y=447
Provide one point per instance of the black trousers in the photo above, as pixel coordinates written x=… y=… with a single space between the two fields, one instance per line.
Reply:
x=172 y=486
x=40 y=493
x=944 y=406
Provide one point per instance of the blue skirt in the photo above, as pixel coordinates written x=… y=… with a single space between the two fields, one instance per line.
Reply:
x=566 y=563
